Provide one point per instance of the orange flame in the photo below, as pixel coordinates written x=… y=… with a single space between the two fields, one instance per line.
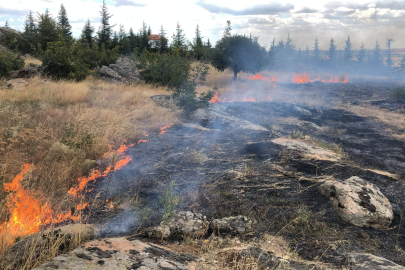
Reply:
x=260 y=76
x=301 y=78
x=110 y=204
x=163 y=129
x=27 y=213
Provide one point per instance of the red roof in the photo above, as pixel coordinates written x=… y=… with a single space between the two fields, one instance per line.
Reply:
x=154 y=37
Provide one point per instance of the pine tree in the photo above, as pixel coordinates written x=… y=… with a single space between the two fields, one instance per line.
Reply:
x=149 y=31
x=179 y=40
x=162 y=40
x=29 y=27
x=316 y=50
x=347 y=51
x=361 y=57
x=114 y=41
x=377 y=55
x=47 y=30
x=87 y=33
x=6 y=24
x=289 y=47
x=332 y=51
x=123 y=41
x=144 y=38
x=132 y=39
x=105 y=30
x=390 y=64
x=64 y=27
x=209 y=44
x=198 y=44
x=227 y=32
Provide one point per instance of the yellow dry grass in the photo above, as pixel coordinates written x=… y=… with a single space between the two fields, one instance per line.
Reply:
x=31 y=60
x=88 y=116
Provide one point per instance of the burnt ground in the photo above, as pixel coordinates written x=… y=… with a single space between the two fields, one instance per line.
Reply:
x=219 y=170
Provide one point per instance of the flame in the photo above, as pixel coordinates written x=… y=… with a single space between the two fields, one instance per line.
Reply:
x=163 y=129
x=216 y=99
x=142 y=141
x=110 y=204
x=301 y=78
x=260 y=76
x=28 y=213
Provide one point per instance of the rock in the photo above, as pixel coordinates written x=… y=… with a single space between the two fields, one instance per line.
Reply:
x=189 y=224
x=302 y=111
x=359 y=202
x=8 y=31
x=262 y=259
x=184 y=223
x=307 y=150
x=18 y=84
x=164 y=101
x=26 y=73
x=363 y=261
x=120 y=253
x=55 y=241
x=124 y=71
x=159 y=232
x=232 y=225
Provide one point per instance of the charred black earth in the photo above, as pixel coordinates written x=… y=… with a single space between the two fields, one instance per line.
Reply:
x=224 y=162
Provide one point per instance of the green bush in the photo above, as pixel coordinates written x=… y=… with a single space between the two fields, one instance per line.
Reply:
x=175 y=71
x=60 y=61
x=9 y=62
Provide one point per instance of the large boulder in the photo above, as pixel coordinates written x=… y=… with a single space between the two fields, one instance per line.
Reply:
x=122 y=72
x=26 y=73
x=184 y=223
x=18 y=84
x=362 y=261
x=232 y=225
x=359 y=202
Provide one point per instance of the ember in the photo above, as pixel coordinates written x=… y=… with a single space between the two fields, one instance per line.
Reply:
x=163 y=129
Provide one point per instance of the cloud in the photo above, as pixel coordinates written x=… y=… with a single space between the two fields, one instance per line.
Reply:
x=127 y=3
x=335 y=5
x=307 y=10
x=394 y=5
x=15 y=12
x=268 y=9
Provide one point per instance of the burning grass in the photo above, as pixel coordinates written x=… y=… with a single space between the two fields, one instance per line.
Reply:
x=62 y=129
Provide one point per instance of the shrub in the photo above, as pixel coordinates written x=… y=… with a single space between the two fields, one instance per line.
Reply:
x=175 y=72
x=9 y=62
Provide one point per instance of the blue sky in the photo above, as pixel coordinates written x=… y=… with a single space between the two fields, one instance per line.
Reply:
x=365 y=21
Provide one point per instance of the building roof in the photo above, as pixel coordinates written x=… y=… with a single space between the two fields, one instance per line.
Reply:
x=154 y=37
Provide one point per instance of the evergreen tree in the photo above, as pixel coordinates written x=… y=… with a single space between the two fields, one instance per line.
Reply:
x=87 y=33
x=6 y=24
x=132 y=39
x=390 y=64
x=179 y=39
x=209 y=46
x=332 y=51
x=227 y=32
x=289 y=48
x=149 y=31
x=105 y=30
x=144 y=42
x=29 y=27
x=63 y=24
x=114 y=41
x=272 y=52
x=47 y=30
x=347 y=51
x=307 y=54
x=377 y=55
x=162 y=40
x=198 y=47
x=316 y=50
x=123 y=41
x=361 y=57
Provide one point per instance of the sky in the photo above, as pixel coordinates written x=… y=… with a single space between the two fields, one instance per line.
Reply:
x=365 y=21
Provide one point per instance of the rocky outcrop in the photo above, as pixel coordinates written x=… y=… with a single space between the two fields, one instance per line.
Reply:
x=362 y=261
x=18 y=84
x=232 y=225
x=184 y=223
x=120 y=253
x=122 y=72
x=44 y=244
x=8 y=31
x=359 y=202
x=26 y=73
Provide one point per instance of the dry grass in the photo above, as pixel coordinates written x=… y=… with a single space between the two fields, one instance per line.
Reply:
x=33 y=61
x=63 y=127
